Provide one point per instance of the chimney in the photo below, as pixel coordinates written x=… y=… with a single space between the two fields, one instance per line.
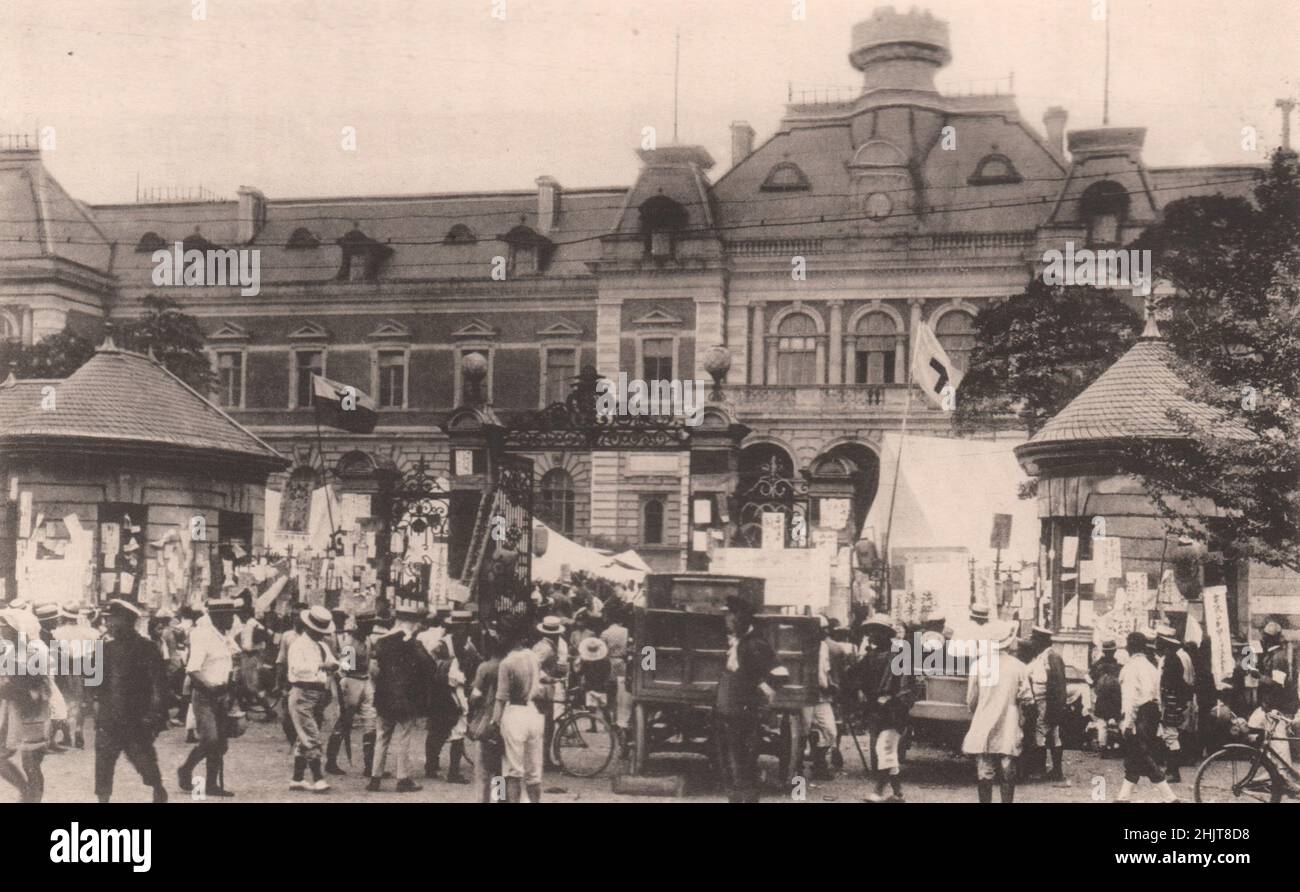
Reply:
x=742 y=141
x=252 y=214
x=1054 y=124
x=548 y=204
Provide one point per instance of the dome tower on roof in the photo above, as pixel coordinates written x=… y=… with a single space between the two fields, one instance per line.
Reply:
x=899 y=51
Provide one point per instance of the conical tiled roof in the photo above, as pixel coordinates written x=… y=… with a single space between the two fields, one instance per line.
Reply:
x=119 y=397
x=1131 y=400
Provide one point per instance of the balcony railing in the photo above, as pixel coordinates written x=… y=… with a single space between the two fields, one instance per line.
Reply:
x=814 y=399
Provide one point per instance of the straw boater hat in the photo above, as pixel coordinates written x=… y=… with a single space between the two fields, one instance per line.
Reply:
x=979 y=612
x=592 y=650
x=1167 y=633
x=404 y=609
x=318 y=619
x=460 y=618
x=47 y=613
x=1007 y=635
x=881 y=621
x=125 y=605
x=551 y=625
x=220 y=605
x=1108 y=644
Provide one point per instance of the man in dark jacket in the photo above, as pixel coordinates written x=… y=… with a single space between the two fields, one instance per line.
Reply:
x=131 y=703
x=403 y=673
x=1047 y=680
x=745 y=691
x=887 y=698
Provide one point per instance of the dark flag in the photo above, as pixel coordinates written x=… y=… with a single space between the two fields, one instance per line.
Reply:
x=343 y=406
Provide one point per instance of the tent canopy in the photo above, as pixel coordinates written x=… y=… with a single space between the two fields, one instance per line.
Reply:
x=564 y=556
x=948 y=491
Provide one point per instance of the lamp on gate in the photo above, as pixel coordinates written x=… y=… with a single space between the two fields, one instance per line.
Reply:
x=474 y=368
x=540 y=540
x=717 y=362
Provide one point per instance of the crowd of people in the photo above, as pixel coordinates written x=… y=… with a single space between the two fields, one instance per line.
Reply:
x=488 y=693
x=396 y=672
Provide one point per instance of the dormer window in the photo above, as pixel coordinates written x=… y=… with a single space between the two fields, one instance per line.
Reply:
x=362 y=257
x=1104 y=208
x=528 y=253
x=150 y=242
x=196 y=242
x=662 y=221
x=302 y=239
x=460 y=234
x=786 y=177
x=995 y=170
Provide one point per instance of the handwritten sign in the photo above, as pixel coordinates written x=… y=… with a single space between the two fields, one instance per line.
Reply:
x=1106 y=559
x=1216 y=626
x=773 y=530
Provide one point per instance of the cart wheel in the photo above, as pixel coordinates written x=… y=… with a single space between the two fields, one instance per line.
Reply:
x=639 y=738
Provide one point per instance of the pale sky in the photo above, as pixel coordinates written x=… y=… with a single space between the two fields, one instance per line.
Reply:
x=445 y=97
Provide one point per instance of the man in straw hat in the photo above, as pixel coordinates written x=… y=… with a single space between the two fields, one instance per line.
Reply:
x=209 y=667
x=24 y=705
x=1139 y=683
x=745 y=691
x=311 y=666
x=552 y=653
x=887 y=698
x=996 y=693
x=403 y=674
x=132 y=702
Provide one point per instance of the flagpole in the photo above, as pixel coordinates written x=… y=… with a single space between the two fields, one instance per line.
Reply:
x=324 y=472
x=893 y=489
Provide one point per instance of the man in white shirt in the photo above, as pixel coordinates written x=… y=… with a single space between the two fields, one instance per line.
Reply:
x=1139 y=684
x=209 y=668
x=311 y=666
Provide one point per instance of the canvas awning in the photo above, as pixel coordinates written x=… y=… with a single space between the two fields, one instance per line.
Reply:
x=564 y=556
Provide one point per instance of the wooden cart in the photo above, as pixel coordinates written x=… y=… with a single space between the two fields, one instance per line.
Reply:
x=680 y=652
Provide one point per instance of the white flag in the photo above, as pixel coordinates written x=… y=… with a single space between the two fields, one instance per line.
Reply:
x=931 y=367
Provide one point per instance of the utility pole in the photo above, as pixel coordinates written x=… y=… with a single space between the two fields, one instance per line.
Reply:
x=1287 y=106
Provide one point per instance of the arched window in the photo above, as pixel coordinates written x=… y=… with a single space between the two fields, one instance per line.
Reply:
x=460 y=234
x=1104 y=207
x=786 y=177
x=994 y=170
x=652 y=521
x=661 y=221
x=555 y=505
x=877 y=348
x=796 y=350
x=956 y=332
x=9 y=330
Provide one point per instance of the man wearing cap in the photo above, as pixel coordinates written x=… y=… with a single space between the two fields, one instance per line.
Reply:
x=356 y=692
x=132 y=703
x=996 y=693
x=209 y=668
x=1107 y=705
x=887 y=697
x=1140 y=689
x=1047 y=680
x=311 y=665
x=1277 y=690
x=745 y=691
x=402 y=671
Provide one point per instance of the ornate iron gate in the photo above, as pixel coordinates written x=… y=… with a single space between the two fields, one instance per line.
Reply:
x=773 y=492
x=417 y=535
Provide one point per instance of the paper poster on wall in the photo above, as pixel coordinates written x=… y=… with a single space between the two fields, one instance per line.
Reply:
x=1136 y=584
x=703 y=511
x=1086 y=573
x=464 y=462
x=700 y=540
x=1069 y=550
x=833 y=514
x=1106 y=559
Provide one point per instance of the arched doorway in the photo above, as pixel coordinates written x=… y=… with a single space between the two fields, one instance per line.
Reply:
x=862 y=466
x=767 y=482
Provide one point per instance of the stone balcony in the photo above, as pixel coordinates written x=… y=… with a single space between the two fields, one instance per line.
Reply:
x=816 y=400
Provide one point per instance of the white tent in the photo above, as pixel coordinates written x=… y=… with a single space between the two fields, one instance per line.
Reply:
x=948 y=491
x=564 y=556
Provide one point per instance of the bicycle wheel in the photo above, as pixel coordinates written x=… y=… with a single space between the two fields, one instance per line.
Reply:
x=584 y=744
x=1232 y=775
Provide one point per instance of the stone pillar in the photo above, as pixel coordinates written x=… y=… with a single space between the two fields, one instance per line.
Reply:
x=757 y=359
x=904 y=356
x=836 y=367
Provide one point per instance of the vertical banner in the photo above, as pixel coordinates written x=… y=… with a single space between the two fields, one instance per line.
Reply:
x=1216 y=626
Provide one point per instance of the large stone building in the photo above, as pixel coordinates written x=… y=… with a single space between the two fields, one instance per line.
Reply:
x=812 y=260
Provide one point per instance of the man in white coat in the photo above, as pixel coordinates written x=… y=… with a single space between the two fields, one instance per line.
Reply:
x=997 y=691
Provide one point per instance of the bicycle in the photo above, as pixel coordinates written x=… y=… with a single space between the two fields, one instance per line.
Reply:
x=584 y=741
x=1254 y=772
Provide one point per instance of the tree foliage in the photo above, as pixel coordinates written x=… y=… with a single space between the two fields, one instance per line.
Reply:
x=174 y=338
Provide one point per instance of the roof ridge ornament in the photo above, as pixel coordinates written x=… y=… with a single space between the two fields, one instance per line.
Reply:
x=1151 y=331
